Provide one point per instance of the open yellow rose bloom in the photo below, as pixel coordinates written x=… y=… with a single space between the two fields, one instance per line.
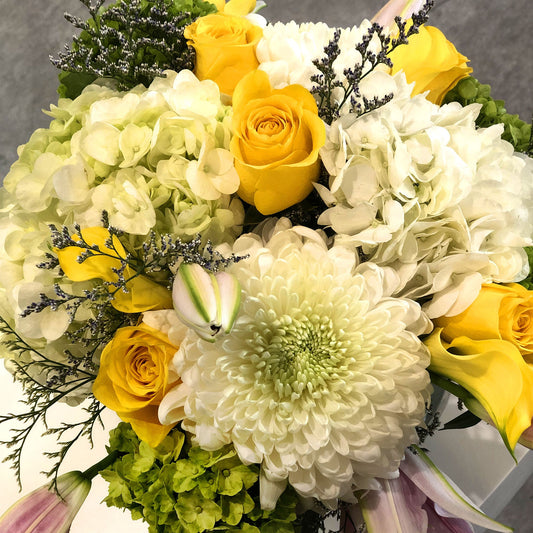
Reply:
x=225 y=48
x=277 y=136
x=432 y=62
x=134 y=377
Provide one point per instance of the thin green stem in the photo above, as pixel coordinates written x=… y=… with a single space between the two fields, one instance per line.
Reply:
x=94 y=470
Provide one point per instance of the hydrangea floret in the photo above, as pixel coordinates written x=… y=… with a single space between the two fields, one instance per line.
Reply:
x=177 y=487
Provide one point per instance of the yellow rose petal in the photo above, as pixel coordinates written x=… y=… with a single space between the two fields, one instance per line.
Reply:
x=150 y=432
x=133 y=378
x=225 y=48
x=432 y=62
x=239 y=7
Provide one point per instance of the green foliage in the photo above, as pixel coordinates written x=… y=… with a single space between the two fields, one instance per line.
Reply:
x=470 y=91
x=131 y=42
x=180 y=488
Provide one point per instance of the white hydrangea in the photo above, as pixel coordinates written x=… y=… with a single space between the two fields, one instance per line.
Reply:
x=322 y=379
x=417 y=187
x=106 y=150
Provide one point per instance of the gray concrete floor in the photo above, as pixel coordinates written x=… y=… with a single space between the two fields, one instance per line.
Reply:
x=496 y=35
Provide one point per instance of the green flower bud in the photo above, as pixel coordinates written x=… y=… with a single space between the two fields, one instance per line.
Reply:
x=467 y=88
x=206 y=302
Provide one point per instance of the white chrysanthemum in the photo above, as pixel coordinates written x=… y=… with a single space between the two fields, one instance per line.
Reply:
x=322 y=379
x=419 y=188
x=287 y=51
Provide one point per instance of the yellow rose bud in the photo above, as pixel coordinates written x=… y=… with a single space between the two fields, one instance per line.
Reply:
x=432 y=62
x=134 y=376
x=143 y=293
x=277 y=136
x=499 y=312
x=225 y=48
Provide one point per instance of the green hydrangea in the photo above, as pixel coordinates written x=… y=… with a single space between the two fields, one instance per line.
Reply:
x=180 y=488
x=470 y=91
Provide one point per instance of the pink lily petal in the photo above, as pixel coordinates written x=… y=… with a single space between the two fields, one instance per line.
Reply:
x=403 y=8
x=445 y=524
x=397 y=508
x=426 y=476
x=43 y=511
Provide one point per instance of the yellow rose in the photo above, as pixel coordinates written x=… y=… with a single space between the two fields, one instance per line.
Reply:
x=499 y=312
x=432 y=62
x=133 y=378
x=143 y=293
x=225 y=48
x=276 y=138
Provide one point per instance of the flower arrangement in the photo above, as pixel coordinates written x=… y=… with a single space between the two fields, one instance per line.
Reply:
x=264 y=246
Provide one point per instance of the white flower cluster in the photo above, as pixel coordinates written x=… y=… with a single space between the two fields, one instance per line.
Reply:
x=322 y=379
x=418 y=188
x=153 y=158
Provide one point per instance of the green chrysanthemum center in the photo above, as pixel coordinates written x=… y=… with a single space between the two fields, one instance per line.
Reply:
x=302 y=354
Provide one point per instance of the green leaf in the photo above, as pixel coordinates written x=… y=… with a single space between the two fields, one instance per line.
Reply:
x=71 y=84
x=464 y=420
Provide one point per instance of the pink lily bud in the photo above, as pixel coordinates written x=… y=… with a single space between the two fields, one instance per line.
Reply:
x=397 y=8
x=45 y=511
